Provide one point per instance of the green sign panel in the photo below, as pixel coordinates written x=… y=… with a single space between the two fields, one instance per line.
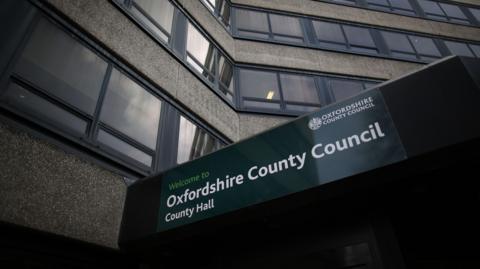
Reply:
x=338 y=141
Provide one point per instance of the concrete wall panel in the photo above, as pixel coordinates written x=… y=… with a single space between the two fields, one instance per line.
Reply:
x=45 y=188
x=252 y=124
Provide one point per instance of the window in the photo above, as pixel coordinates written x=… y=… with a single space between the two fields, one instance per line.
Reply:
x=157 y=15
x=360 y=39
x=225 y=70
x=42 y=109
x=252 y=23
x=410 y=46
x=299 y=92
x=460 y=49
x=443 y=11
x=348 y=2
x=475 y=49
x=329 y=35
x=221 y=9
x=286 y=28
x=62 y=67
x=194 y=142
x=132 y=110
x=269 y=26
x=343 y=89
x=397 y=6
x=259 y=89
x=336 y=36
x=476 y=13
x=200 y=53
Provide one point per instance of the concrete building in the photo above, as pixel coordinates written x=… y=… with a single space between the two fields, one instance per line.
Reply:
x=95 y=95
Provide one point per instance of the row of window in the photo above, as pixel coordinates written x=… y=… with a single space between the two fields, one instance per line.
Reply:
x=441 y=11
x=69 y=87
x=315 y=33
x=200 y=54
x=267 y=90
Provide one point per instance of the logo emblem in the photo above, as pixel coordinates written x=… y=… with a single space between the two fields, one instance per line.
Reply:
x=315 y=123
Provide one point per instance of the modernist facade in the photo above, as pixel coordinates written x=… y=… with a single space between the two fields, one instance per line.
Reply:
x=95 y=95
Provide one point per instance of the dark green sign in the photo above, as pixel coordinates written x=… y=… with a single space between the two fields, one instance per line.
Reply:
x=338 y=141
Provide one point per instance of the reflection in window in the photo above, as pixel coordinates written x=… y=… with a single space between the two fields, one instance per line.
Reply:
x=132 y=110
x=252 y=23
x=43 y=110
x=460 y=49
x=200 y=53
x=286 y=28
x=220 y=8
x=410 y=46
x=193 y=142
x=476 y=13
x=343 y=89
x=397 y=6
x=360 y=39
x=225 y=70
x=62 y=66
x=329 y=35
x=157 y=15
x=299 y=88
x=443 y=11
x=124 y=148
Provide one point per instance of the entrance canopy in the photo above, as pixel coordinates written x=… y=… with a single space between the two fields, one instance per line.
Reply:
x=341 y=145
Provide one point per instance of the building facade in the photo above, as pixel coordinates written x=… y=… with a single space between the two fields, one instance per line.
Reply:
x=95 y=95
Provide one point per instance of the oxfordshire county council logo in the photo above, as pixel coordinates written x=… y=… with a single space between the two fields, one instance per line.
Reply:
x=315 y=123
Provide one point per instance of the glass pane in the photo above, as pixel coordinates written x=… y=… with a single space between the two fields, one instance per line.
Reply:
x=200 y=49
x=210 y=4
x=130 y=109
x=193 y=142
x=59 y=64
x=286 y=25
x=431 y=7
x=476 y=49
x=252 y=20
x=225 y=70
x=161 y=11
x=299 y=88
x=453 y=11
x=476 y=13
x=259 y=84
x=343 y=89
x=327 y=31
x=149 y=24
x=359 y=36
x=123 y=147
x=398 y=42
x=457 y=48
x=40 y=108
x=424 y=45
x=224 y=12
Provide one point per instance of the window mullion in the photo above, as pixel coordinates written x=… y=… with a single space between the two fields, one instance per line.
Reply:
x=93 y=128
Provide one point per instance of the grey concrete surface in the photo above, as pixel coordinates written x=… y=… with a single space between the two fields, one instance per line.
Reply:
x=45 y=188
x=206 y=19
x=318 y=60
x=353 y=14
x=251 y=124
